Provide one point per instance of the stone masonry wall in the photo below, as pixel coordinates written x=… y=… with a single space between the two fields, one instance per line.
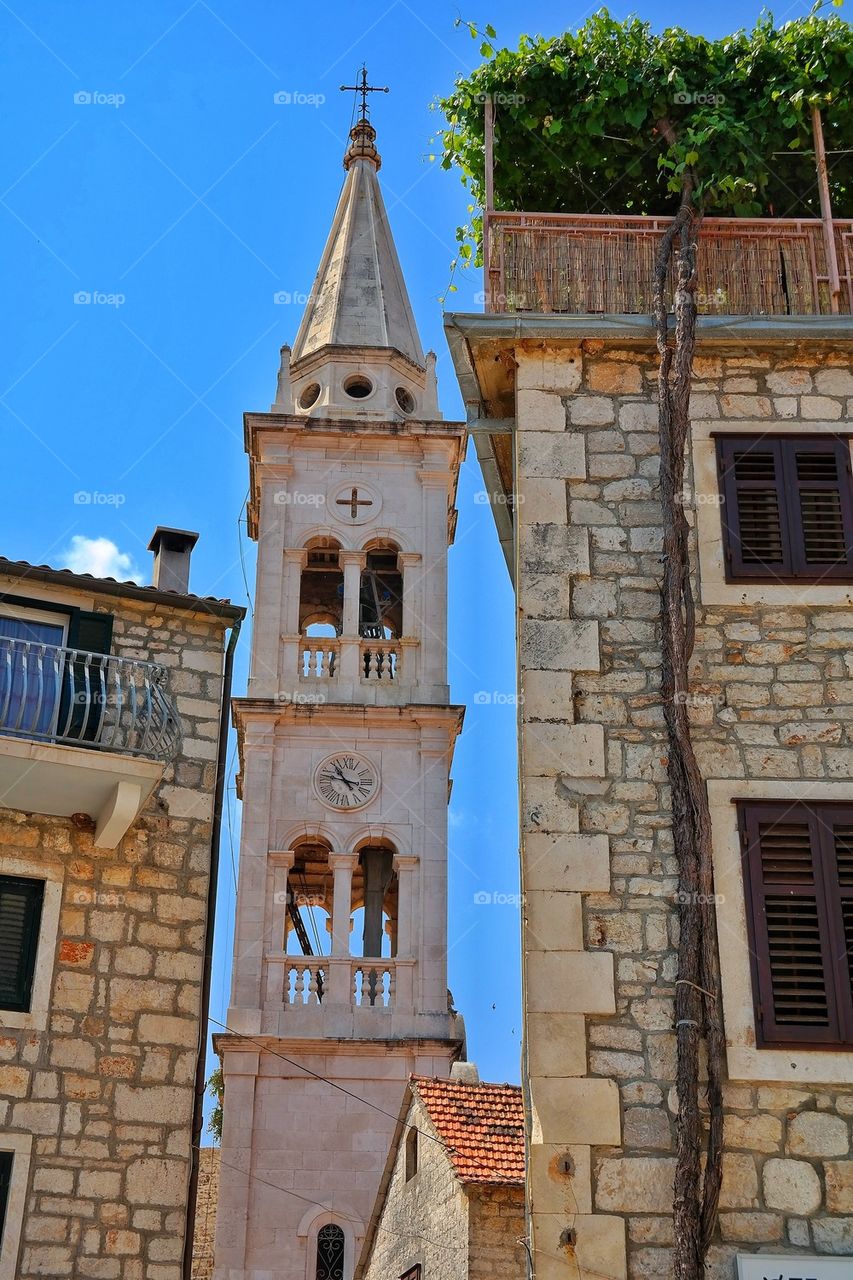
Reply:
x=772 y=697
x=423 y=1220
x=495 y=1227
x=107 y=1089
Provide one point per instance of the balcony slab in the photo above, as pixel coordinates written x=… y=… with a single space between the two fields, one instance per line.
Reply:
x=61 y=781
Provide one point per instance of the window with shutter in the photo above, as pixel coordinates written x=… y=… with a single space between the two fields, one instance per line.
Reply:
x=787 y=507
x=20 y=917
x=798 y=877
x=6 y=1161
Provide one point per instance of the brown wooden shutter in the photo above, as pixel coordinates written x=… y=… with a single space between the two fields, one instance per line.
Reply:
x=798 y=878
x=787 y=507
x=818 y=479
x=20 y=920
x=755 y=524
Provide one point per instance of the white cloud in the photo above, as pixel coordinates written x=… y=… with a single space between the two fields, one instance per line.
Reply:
x=101 y=557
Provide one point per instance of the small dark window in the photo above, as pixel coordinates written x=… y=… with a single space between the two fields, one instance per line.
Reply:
x=411 y=1153
x=20 y=917
x=798 y=876
x=787 y=507
x=6 y=1160
x=331 y=1247
x=413 y=1273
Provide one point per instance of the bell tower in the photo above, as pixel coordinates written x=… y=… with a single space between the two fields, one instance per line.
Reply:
x=346 y=737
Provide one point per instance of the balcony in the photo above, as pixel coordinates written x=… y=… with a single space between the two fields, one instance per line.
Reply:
x=585 y=264
x=83 y=734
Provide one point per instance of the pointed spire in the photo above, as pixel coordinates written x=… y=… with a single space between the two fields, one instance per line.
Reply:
x=359 y=297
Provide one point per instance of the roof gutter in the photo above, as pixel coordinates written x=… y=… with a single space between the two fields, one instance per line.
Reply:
x=212 y=886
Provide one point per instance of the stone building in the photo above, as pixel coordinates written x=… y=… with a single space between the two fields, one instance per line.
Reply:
x=113 y=706
x=563 y=407
x=451 y=1202
x=346 y=736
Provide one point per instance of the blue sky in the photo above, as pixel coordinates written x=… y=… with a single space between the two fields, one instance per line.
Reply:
x=148 y=165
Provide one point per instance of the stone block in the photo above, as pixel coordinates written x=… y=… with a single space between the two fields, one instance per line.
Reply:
x=591 y=411
x=566 y=863
x=573 y=750
x=570 y=982
x=839 y=1186
x=753 y=1133
x=834 y=382
x=152 y=1181
x=639 y=1184
x=559 y=1179
x=792 y=1186
x=576 y=1111
x=552 y=370
x=833 y=1235
x=556 y=1044
x=539 y=411
x=816 y=1133
x=548 y=695
x=553 y=920
x=552 y=548
x=621 y=379
x=551 y=455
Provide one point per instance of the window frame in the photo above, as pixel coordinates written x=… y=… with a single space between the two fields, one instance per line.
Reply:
x=819 y=815
x=794 y=568
x=19 y=1146
x=413 y=1273
x=35 y=912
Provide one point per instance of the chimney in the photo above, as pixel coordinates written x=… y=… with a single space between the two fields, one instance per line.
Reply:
x=172 y=549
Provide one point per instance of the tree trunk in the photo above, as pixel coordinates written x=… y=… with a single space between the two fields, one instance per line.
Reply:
x=697 y=1002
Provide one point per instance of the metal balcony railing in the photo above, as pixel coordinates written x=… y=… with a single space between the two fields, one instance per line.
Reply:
x=69 y=696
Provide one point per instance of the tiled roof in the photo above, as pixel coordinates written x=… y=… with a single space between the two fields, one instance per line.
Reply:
x=22 y=569
x=482 y=1126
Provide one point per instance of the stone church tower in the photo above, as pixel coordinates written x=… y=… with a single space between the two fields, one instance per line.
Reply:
x=346 y=739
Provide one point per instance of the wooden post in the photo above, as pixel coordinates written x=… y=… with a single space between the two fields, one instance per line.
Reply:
x=826 y=212
x=489 y=160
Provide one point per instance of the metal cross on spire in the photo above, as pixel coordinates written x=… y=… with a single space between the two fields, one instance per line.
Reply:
x=364 y=89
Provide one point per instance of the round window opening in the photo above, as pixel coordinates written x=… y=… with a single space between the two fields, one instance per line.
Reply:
x=405 y=400
x=309 y=395
x=358 y=386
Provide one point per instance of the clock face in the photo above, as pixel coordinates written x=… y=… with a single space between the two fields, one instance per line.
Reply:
x=346 y=781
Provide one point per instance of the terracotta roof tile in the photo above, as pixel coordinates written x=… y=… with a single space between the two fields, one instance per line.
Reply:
x=88 y=581
x=482 y=1125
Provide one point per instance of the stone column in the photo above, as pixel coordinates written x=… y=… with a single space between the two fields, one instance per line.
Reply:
x=343 y=865
x=295 y=560
x=240 y=1071
x=352 y=563
x=275 y=932
x=407 y=868
x=246 y=992
x=266 y=632
x=413 y=631
x=435 y=482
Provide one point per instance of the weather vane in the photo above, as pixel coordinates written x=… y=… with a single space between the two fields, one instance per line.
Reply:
x=364 y=89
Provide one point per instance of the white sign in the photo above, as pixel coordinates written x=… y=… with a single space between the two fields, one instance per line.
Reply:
x=790 y=1266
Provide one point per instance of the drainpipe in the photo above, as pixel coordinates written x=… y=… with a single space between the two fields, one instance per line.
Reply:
x=216 y=828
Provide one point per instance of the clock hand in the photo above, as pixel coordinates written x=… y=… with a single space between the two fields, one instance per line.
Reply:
x=342 y=778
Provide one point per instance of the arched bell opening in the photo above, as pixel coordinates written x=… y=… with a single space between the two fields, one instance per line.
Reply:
x=308 y=919
x=381 y=594
x=374 y=903
x=321 y=592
